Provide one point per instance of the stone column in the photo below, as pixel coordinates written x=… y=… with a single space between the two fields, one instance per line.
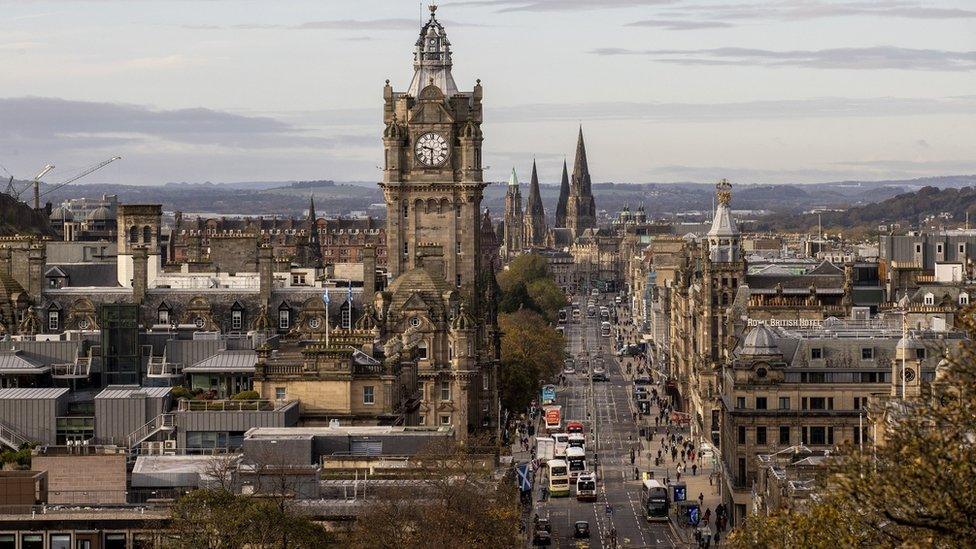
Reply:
x=266 y=273
x=369 y=273
x=140 y=273
x=36 y=258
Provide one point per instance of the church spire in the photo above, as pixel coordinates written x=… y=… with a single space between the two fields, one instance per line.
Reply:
x=563 y=198
x=580 y=208
x=581 y=172
x=314 y=244
x=535 y=214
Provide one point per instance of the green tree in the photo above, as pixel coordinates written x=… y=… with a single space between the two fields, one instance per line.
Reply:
x=532 y=352
x=524 y=268
x=548 y=297
x=516 y=299
x=917 y=489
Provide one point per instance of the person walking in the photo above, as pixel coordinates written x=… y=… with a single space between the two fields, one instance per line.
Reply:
x=708 y=516
x=694 y=469
x=701 y=498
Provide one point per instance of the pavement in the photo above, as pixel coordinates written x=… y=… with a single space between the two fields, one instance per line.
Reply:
x=618 y=434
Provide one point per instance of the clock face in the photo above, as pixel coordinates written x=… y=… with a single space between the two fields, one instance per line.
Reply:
x=431 y=149
x=314 y=323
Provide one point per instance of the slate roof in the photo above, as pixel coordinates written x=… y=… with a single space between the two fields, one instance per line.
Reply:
x=14 y=362
x=234 y=361
x=85 y=275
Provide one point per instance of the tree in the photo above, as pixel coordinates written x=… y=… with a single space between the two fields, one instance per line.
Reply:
x=532 y=351
x=524 y=268
x=548 y=297
x=917 y=489
x=459 y=503
x=218 y=519
x=526 y=284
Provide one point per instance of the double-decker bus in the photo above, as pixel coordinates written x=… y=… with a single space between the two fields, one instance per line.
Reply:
x=654 y=501
x=558 y=478
x=576 y=458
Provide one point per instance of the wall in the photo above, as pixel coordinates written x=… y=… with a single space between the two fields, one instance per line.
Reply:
x=35 y=418
x=98 y=479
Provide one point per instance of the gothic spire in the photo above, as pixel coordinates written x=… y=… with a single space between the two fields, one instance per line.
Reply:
x=432 y=59
x=535 y=196
x=581 y=172
x=563 y=198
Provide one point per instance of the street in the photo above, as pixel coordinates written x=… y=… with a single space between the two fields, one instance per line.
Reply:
x=618 y=433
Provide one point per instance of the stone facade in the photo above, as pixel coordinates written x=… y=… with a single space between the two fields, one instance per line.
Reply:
x=514 y=228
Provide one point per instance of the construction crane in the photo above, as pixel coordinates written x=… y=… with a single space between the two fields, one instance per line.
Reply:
x=87 y=171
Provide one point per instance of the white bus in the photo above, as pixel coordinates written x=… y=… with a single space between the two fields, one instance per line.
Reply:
x=605 y=329
x=562 y=442
x=577 y=440
x=576 y=457
x=586 y=487
x=654 y=500
x=558 y=478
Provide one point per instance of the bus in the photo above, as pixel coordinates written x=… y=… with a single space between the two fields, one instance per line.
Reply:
x=577 y=440
x=586 y=487
x=654 y=501
x=553 y=417
x=558 y=478
x=605 y=329
x=576 y=457
x=548 y=394
x=562 y=442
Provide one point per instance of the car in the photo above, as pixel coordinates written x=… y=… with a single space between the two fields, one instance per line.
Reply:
x=617 y=300
x=643 y=379
x=581 y=530
x=595 y=293
x=569 y=370
x=599 y=374
x=542 y=533
x=640 y=392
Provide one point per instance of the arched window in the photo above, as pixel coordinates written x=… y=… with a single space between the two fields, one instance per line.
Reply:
x=133 y=234
x=146 y=234
x=930 y=299
x=964 y=298
x=422 y=350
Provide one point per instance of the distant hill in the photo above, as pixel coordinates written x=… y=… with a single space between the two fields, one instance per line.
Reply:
x=907 y=209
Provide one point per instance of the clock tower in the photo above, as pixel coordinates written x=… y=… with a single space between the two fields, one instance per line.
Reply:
x=432 y=177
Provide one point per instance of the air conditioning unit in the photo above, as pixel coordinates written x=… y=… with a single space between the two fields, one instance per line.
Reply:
x=169 y=447
x=152 y=448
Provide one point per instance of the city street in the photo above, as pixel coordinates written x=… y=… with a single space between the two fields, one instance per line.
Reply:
x=617 y=433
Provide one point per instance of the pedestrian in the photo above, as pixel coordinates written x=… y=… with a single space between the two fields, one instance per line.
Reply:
x=694 y=469
x=636 y=473
x=708 y=516
x=701 y=498
x=678 y=475
x=710 y=477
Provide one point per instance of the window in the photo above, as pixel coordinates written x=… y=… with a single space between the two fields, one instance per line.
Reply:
x=859 y=403
x=867 y=353
x=817 y=403
x=346 y=315
x=406 y=250
x=761 y=436
x=784 y=435
x=162 y=316
x=53 y=321
x=146 y=235
x=422 y=350
x=446 y=420
x=280 y=393
x=284 y=319
x=918 y=248
x=816 y=353
x=297 y=279
x=406 y=212
x=740 y=403
x=458 y=248
x=962 y=248
x=920 y=354
x=445 y=390
x=964 y=299
x=236 y=320
x=741 y=476
x=815 y=435
x=60 y=541
x=742 y=435
x=929 y=299
x=368 y=395
x=760 y=403
x=784 y=403
x=938 y=249
x=458 y=280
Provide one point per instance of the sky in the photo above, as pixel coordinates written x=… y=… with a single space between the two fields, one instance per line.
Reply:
x=774 y=91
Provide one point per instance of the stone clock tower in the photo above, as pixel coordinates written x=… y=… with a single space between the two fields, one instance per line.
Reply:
x=432 y=178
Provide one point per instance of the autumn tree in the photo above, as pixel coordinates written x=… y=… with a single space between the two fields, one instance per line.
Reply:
x=527 y=284
x=532 y=351
x=918 y=489
x=457 y=503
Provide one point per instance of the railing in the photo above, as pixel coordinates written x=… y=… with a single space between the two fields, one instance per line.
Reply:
x=162 y=422
x=186 y=405
x=11 y=437
x=283 y=369
x=79 y=369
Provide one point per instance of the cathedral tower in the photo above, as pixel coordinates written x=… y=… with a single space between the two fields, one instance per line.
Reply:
x=580 y=206
x=535 y=214
x=432 y=178
x=514 y=229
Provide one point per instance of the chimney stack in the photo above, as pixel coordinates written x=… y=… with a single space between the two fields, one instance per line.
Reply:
x=36 y=258
x=140 y=273
x=265 y=272
x=369 y=273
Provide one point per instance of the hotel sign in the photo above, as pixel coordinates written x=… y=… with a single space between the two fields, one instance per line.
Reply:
x=786 y=322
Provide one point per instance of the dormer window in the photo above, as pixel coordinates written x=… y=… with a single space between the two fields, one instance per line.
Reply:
x=162 y=314
x=53 y=319
x=964 y=298
x=929 y=299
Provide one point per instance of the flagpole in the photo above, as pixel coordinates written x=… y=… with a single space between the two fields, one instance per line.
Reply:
x=325 y=298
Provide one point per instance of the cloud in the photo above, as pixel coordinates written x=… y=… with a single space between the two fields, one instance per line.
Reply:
x=89 y=124
x=798 y=10
x=672 y=24
x=338 y=24
x=872 y=58
x=822 y=107
x=559 y=5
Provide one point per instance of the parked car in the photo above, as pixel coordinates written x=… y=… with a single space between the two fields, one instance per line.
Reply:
x=643 y=379
x=581 y=530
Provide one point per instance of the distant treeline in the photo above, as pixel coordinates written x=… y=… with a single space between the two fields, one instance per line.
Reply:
x=312 y=184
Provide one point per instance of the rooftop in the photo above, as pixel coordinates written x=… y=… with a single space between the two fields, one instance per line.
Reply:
x=33 y=394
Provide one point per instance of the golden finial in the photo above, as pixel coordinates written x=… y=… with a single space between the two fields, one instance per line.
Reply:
x=723 y=191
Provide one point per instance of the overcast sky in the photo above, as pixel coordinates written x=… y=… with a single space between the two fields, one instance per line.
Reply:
x=667 y=90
